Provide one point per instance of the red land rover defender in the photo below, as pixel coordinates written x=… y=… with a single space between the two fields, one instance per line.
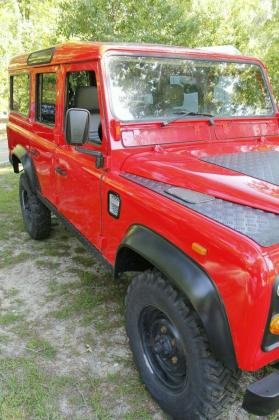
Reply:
x=164 y=161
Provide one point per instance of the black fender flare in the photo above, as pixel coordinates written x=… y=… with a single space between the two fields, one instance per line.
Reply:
x=22 y=156
x=181 y=271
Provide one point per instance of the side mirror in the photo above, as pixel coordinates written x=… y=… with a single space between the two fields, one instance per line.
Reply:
x=77 y=125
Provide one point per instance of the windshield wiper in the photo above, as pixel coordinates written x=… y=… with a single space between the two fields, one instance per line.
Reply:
x=182 y=114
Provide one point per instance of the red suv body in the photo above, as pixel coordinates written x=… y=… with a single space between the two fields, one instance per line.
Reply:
x=163 y=158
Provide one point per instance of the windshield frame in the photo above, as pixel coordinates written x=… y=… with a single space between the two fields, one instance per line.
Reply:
x=265 y=79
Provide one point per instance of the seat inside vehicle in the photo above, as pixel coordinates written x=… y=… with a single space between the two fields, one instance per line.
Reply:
x=87 y=98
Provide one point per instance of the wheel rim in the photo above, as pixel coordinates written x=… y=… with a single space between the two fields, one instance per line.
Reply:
x=26 y=204
x=163 y=348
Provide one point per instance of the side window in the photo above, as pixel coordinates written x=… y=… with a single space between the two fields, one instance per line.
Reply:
x=20 y=95
x=46 y=97
x=82 y=93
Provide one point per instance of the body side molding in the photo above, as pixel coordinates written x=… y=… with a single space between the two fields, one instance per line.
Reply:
x=181 y=270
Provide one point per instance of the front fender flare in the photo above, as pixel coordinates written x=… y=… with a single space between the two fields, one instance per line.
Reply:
x=190 y=279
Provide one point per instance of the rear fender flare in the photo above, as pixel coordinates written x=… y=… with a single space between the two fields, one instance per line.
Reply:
x=21 y=155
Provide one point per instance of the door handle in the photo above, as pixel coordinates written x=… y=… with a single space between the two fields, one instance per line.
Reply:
x=61 y=171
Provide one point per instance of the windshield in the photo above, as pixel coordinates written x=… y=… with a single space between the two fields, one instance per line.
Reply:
x=152 y=88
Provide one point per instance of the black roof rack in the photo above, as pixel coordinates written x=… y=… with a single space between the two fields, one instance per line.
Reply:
x=40 y=57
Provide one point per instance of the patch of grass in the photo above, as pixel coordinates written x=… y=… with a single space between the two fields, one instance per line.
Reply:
x=132 y=389
x=53 y=286
x=9 y=318
x=86 y=261
x=54 y=251
x=97 y=400
x=137 y=414
x=9 y=194
x=65 y=237
x=12 y=292
x=62 y=289
x=23 y=329
x=88 y=340
x=4 y=338
x=7 y=258
x=80 y=250
x=77 y=303
x=74 y=270
x=86 y=277
x=42 y=347
x=95 y=299
x=50 y=265
x=104 y=324
x=18 y=302
x=90 y=300
x=26 y=391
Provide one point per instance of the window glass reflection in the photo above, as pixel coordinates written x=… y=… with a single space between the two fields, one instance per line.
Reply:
x=20 y=93
x=146 y=88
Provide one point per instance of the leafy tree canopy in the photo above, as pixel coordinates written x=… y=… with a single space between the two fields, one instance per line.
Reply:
x=252 y=26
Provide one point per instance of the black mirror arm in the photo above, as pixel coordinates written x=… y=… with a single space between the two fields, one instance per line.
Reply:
x=98 y=155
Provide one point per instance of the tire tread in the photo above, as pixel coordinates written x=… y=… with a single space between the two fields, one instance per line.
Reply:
x=221 y=383
x=40 y=224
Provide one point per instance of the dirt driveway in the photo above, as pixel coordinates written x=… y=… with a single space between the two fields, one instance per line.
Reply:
x=63 y=348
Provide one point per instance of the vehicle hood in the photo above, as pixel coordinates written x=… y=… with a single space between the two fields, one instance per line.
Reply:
x=247 y=175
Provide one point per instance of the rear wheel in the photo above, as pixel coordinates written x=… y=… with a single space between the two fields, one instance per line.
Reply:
x=36 y=216
x=172 y=353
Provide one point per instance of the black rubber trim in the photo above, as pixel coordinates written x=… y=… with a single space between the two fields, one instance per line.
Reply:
x=191 y=281
x=271 y=341
x=262 y=397
x=89 y=246
x=21 y=153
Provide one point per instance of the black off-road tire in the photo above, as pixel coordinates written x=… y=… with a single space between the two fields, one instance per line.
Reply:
x=36 y=216
x=172 y=352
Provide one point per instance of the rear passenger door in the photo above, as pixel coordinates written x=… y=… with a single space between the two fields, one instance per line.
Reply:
x=44 y=129
x=78 y=180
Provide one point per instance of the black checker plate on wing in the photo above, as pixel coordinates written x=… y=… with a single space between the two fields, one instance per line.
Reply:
x=259 y=225
x=261 y=165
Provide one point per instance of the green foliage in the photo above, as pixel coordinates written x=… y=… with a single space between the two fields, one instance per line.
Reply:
x=114 y=20
x=252 y=26
x=25 y=25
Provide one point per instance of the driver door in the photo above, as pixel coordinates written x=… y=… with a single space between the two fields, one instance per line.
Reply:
x=78 y=181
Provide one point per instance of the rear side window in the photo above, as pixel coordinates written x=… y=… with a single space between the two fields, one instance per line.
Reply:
x=46 y=97
x=19 y=84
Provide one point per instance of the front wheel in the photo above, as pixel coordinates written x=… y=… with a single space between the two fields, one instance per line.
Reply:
x=36 y=216
x=172 y=353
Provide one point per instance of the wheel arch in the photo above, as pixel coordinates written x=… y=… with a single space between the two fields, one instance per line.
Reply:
x=142 y=249
x=20 y=155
